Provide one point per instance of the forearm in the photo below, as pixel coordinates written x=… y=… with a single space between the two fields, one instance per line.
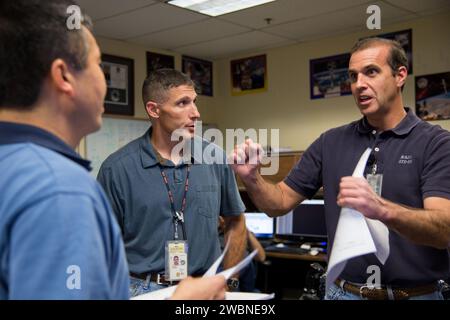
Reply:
x=254 y=244
x=268 y=197
x=236 y=233
x=429 y=227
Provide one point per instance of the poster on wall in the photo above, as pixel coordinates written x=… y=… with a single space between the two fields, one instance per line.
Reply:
x=328 y=76
x=404 y=37
x=157 y=61
x=248 y=75
x=200 y=72
x=433 y=96
x=119 y=75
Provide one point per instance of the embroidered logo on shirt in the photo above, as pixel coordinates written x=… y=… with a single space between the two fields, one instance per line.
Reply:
x=405 y=159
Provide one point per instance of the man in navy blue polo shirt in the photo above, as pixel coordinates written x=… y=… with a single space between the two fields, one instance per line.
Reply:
x=58 y=235
x=166 y=203
x=411 y=156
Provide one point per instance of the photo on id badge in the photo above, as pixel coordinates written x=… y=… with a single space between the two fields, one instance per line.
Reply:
x=176 y=260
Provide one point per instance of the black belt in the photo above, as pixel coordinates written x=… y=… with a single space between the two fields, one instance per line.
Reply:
x=385 y=293
x=159 y=278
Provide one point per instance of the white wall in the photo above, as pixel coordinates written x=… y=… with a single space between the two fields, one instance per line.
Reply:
x=286 y=104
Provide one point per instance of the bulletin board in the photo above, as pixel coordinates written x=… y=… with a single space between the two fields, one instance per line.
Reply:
x=114 y=134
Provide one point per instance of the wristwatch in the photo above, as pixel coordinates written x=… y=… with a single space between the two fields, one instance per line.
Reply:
x=233 y=284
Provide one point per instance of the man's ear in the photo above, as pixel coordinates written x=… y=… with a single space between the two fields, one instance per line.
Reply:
x=62 y=77
x=401 y=75
x=152 y=109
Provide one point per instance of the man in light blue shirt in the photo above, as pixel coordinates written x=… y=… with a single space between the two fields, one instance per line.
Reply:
x=58 y=236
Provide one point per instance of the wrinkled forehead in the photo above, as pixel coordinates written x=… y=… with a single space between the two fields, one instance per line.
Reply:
x=374 y=55
x=187 y=91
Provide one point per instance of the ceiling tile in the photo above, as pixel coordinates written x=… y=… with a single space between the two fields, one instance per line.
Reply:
x=194 y=33
x=99 y=9
x=421 y=6
x=224 y=47
x=153 y=18
x=334 y=23
x=282 y=11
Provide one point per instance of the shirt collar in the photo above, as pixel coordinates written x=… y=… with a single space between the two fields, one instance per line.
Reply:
x=11 y=133
x=151 y=157
x=403 y=128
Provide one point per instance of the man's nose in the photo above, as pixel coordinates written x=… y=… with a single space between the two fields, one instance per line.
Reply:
x=195 y=113
x=360 y=81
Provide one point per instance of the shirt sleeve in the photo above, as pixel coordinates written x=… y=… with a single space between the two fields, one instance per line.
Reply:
x=436 y=171
x=230 y=203
x=106 y=180
x=61 y=248
x=305 y=177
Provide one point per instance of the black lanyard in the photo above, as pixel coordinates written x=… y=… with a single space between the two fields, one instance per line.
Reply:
x=178 y=216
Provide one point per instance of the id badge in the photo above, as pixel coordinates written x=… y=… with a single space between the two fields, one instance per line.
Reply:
x=376 y=182
x=176 y=257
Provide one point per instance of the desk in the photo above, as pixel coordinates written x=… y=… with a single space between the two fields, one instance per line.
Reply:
x=284 y=273
x=321 y=257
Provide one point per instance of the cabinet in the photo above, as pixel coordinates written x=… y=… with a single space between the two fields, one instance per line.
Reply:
x=286 y=162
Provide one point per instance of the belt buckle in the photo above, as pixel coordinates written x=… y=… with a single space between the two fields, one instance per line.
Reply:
x=158 y=279
x=361 y=290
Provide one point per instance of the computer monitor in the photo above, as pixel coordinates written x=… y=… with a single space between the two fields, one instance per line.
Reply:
x=306 y=223
x=260 y=224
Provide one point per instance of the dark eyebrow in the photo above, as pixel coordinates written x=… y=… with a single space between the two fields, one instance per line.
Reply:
x=183 y=99
x=370 y=66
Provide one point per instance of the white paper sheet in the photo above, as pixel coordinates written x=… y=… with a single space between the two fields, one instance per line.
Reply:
x=356 y=235
x=213 y=269
x=166 y=293
x=241 y=265
x=248 y=296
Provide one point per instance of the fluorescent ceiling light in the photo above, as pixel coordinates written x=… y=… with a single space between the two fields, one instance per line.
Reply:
x=216 y=7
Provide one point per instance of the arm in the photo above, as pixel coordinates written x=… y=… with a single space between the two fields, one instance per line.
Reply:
x=273 y=199
x=254 y=244
x=59 y=251
x=235 y=230
x=207 y=288
x=428 y=226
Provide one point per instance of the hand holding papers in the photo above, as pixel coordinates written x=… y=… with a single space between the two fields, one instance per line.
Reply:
x=356 y=235
x=166 y=293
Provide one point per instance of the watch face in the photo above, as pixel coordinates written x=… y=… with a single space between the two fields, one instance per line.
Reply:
x=233 y=283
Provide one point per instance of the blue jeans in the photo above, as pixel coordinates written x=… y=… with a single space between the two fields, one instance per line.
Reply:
x=337 y=293
x=139 y=286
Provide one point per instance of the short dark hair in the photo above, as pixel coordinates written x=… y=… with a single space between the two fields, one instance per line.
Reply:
x=33 y=33
x=157 y=84
x=397 y=56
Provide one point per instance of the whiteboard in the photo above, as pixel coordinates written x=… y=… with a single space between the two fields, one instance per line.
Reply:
x=114 y=134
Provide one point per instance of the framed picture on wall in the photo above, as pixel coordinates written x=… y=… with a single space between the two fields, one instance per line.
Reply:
x=249 y=75
x=119 y=74
x=328 y=76
x=403 y=37
x=157 y=61
x=201 y=73
x=433 y=96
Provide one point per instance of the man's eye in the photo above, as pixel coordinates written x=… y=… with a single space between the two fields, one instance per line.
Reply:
x=352 y=77
x=371 y=72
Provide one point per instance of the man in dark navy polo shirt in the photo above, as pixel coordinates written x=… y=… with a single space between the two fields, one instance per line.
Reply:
x=411 y=156
x=167 y=202
x=58 y=235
